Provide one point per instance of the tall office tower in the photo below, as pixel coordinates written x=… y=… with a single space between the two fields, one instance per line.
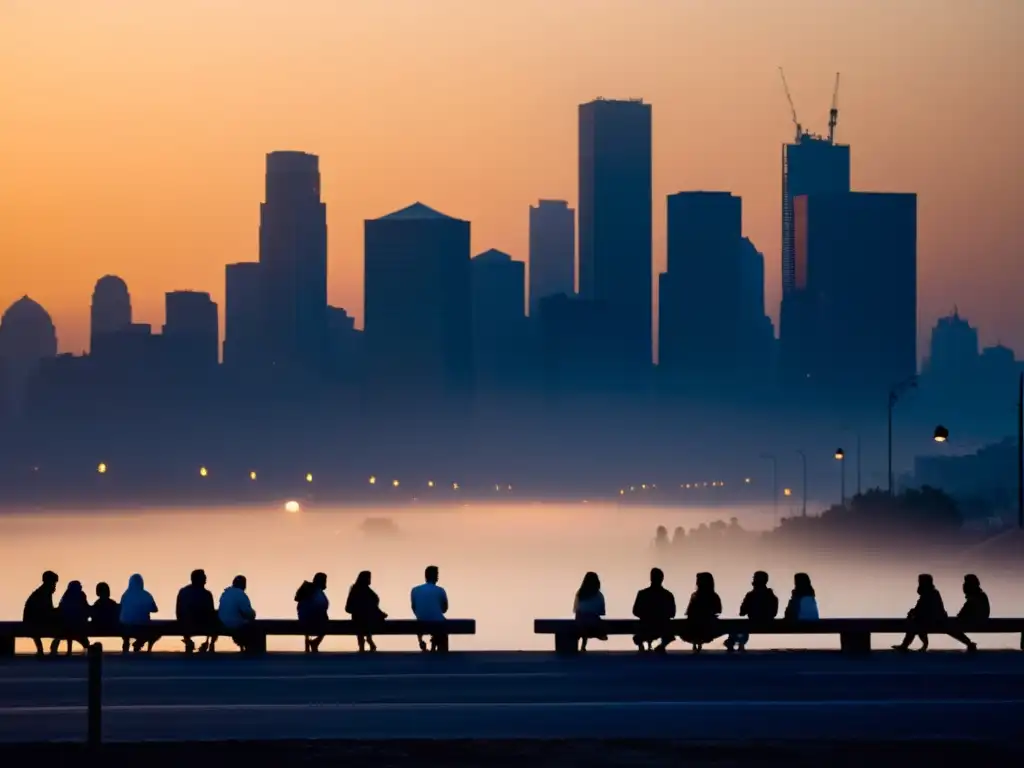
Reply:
x=701 y=298
x=856 y=269
x=243 y=315
x=499 y=320
x=615 y=227
x=293 y=258
x=952 y=364
x=111 y=308
x=417 y=299
x=757 y=328
x=191 y=331
x=552 y=251
x=810 y=165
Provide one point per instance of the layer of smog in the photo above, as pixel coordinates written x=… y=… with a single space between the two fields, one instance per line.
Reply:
x=503 y=565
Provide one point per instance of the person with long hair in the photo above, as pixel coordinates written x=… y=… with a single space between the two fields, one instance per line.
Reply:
x=363 y=605
x=588 y=607
x=702 y=613
x=803 y=604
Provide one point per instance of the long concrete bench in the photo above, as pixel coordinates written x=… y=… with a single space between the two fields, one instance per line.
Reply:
x=256 y=633
x=854 y=634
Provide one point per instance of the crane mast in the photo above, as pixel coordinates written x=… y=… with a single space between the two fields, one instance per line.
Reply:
x=792 y=107
x=833 y=113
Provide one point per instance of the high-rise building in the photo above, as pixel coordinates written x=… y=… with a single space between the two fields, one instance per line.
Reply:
x=111 y=309
x=243 y=315
x=418 y=310
x=293 y=258
x=552 y=251
x=810 y=165
x=499 y=320
x=615 y=229
x=953 y=353
x=856 y=271
x=701 y=294
x=191 y=331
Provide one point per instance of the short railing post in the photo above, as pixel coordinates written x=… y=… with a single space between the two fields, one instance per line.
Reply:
x=566 y=643
x=855 y=642
x=95 y=705
x=6 y=645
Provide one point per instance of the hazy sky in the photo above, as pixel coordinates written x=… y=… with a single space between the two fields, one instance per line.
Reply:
x=133 y=134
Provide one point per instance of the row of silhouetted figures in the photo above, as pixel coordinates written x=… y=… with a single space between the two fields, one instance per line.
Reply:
x=74 y=618
x=655 y=607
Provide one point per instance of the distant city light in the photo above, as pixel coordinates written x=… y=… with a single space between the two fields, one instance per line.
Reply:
x=746 y=480
x=203 y=472
x=508 y=487
x=497 y=487
x=394 y=483
x=644 y=486
x=430 y=483
x=252 y=475
x=787 y=491
x=373 y=480
x=840 y=454
x=102 y=468
x=309 y=477
x=455 y=486
x=622 y=491
x=291 y=506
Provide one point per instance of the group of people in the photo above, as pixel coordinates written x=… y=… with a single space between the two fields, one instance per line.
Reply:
x=655 y=607
x=74 y=619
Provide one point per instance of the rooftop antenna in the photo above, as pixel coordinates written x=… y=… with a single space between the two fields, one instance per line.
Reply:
x=792 y=108
x=833 y=113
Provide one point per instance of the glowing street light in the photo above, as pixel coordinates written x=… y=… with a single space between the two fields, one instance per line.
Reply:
x=394 y=483
x=840 y=455
x=102 y=468
x=941 y=434
x=203 y=472
x=746 y=480
x=455 y=486
x=787 y=491
x=430 y=483
x=252 y=475
x=309 y=477
x=373 y=480
x=291 y=506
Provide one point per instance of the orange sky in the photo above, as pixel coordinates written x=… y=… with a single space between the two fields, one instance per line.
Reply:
x=133 y=134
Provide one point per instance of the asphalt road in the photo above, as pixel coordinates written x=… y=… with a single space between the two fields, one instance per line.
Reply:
x=713 y=697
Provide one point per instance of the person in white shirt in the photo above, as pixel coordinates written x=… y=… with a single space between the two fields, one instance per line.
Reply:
x=430 y=603
x=235 y=611
x=137 y=605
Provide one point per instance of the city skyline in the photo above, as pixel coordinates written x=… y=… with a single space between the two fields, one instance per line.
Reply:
x=196 y=207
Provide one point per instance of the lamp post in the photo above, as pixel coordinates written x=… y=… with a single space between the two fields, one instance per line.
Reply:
x=894 y=395
x=803 y=494
x=775 y=484
x=1020 y=452
x=841 y=458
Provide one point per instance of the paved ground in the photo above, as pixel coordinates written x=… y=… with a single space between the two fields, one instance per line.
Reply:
x=755 y=697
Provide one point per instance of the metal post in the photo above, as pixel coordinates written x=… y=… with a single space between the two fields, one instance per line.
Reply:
x=1020 y=457
x=892 y=402
x=858 y=463
x=842 y=481
x=95 y=694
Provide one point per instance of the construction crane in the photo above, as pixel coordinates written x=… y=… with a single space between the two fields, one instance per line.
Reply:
x=792 y=107
x=833 y=113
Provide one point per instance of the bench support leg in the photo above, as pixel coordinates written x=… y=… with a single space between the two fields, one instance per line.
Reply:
x=1022 y=641
x=257 y=643
x=855 y=642
x=6 y=646
x=566 y=644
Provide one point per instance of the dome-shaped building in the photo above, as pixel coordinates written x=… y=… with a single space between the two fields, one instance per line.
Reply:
x=27 y=336
x=111 y=306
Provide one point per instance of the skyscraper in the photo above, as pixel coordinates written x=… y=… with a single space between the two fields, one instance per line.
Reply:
x=111 y=309
x=615 y=229
x=418 y=311
x=552 y=251
x=243 y=315
x=191 y=331
x=499 y=320
x=293 y=258
x=701 y=296
x=856 y=274
x=811 y=165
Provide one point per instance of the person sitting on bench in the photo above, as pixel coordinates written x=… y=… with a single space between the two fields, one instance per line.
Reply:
x=655 y=606
x=40 y=614
x=430 y=603
x=928 y=613
x=976 y=608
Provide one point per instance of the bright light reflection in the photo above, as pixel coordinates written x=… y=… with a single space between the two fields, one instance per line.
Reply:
x=291 y=506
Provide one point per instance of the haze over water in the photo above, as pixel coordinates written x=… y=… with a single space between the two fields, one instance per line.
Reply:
x=503 y=565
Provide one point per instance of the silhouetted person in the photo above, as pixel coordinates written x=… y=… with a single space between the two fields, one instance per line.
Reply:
x=588 y=608
x=702 y=613
x=311 y=605
x=803 y=604
x=430 y=603
x=74 y=616
x=655 y=606
x=137 y=607
x=759 y=604
x=928 y=612
x=40 y=614
x=363 y=606
x=678 y=537
x=236 y=613
x=975 y=608
x=195 y=611
x=105 y=613
x=661 y=541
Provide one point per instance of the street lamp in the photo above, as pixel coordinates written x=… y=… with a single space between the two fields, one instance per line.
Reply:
x=941 y=434
x=803 y=497
x=102 y=468
x=895 y=393
x=203 y=472
x=840 y=457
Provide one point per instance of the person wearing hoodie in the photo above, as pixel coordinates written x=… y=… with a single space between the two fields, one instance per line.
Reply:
x=760 y=604
x=137 y=606
x=311 y=605
x=976 y=608
x=236 y=612
x=803 y=604
x=196 y=613
x=928 y=612
x=40 y=613
x=363 y=605
x=74 y=615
